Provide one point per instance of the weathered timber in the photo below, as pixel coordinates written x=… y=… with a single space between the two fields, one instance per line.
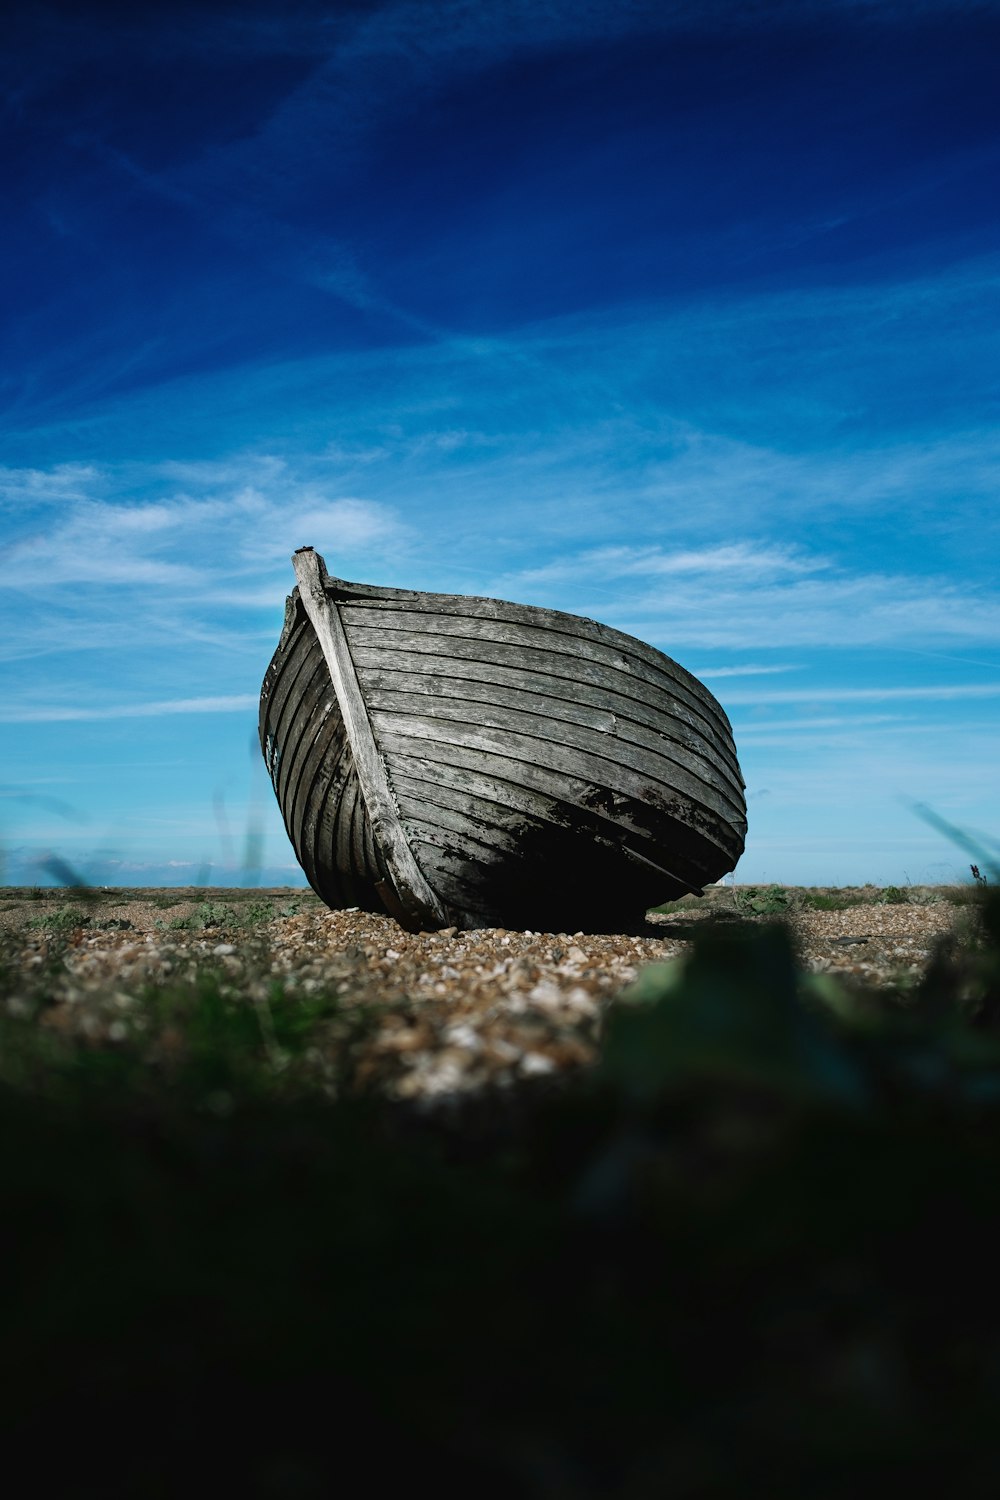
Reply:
x=470 y=761
x=414 y=893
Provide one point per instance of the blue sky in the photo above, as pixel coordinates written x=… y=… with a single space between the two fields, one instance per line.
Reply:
x=683 y=316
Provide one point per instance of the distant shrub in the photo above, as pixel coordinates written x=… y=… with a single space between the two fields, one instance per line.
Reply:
x=820 y=901
x=221 y=914
x=64 y=920
x=770 y=902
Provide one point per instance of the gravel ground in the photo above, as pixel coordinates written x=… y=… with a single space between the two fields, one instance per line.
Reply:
x=450 y=1011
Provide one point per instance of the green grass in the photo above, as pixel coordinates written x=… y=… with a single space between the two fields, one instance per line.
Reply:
x=754 y=1249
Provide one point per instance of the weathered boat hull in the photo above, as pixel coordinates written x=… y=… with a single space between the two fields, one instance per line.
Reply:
x=524 y=767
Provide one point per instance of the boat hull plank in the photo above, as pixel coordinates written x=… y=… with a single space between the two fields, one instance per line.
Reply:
x=474 y=639
x=508 y=879
x=575 y=703
x=527 y=767
x=278 y=701
x=301 y=727
x=503 y=815
x=434 y=614
x=542 y=736
x=559 y=804
x=438 y=630
x=600 y=780
x=372 y=651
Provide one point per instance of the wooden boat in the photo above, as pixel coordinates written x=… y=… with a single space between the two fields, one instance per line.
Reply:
x=467 y=762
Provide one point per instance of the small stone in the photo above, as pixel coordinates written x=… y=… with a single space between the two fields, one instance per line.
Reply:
x=582 y=1000
x=504 y=1050
x=536 y=1063
x=222 y=949
x=546 y=994
x=463 y=1035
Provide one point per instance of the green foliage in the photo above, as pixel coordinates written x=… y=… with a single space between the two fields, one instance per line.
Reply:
x=768 y=902
x=66 y=919
x=226 y=915
x=893 y=896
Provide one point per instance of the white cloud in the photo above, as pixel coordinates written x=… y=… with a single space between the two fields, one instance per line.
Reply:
x=234 y=703
x=744 y=560
x=940 y=692
x=748 y=728
x=187 y=543
x=63 y=482
x=311 y=519
x=751 y=594
x=751 y=669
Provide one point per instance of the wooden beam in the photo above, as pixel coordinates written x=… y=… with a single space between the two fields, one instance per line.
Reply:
x=414 y=893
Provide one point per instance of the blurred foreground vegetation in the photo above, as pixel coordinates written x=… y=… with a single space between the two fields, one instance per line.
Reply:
x=756 y=1249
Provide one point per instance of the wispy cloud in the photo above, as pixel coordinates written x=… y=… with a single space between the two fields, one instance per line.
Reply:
x=940 y=692
x=748 y=728
x=63 y=482
x=234 y=703
x=746 y=594
x=744 y=559
x=185 y=543
x=750 y=669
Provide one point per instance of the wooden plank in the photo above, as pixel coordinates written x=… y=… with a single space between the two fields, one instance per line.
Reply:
x=680 y=796
x=451 y=817
x=708 y=846
x=509 y=675
x=281 y=703
x=356 y=852
x=346 y=804
x=555 y=622
x=573 y=701
x=325 y=619
x=367 y=874
x=666 y=848
x=504 y=805
x=376 y=649
x=421 y=803
x=272 y=676
x=325 y=731
x=295 y=736
x=530 y=628
x=317 y=836
x=529 y=639
x=469 y=903
x=550 y=732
